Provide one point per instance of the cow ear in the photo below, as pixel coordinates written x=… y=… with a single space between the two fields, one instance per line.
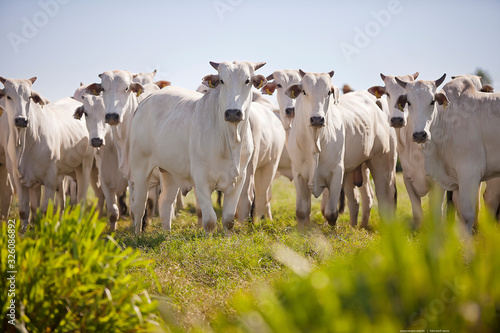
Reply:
x=442 y=100
x=78 y=112
x=94 y=89
x=270 y=77
x=294 y=91
x=137 y=88
x=487 y=88
x=154 y=73
x=415 y=75
x=401 y=102
x=211 y=80
x=32 y=80
x=336 y=93
x=1 y=110
x=37 y=98
x=269 y=88
x=162 y=84
x=377 y=91
x=259 y=81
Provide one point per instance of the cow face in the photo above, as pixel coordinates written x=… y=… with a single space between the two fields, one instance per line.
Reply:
x=281 y=81
x=94 y=111
x=235 y=80
x=119 y=94
x=421 y=98
x=398 y=116
x=19 y=98
x=314 y=95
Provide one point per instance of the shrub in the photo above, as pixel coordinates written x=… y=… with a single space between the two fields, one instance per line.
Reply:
x=434 y=280
x=73 y=278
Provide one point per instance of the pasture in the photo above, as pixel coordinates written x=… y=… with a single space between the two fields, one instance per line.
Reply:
x=226 y=282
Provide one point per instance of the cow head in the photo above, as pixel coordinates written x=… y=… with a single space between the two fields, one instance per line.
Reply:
x=281 y=81
x=234 y=81
x=119 y=94
x=19 y=98
x=314 y=95
x=94 y=111
x=144 y=78
x=398 y=116
x=422 y=100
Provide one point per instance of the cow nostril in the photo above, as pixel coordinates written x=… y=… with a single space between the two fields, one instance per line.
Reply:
x=397 y=122
x=21 y=122
x=419 y=137
x=290 y=112
x=317 y=121
x=96 y=142
x=112 y=118
x=233 y=115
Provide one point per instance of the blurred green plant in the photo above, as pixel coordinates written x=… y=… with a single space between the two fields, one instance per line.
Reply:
x=432 y=280
x=73 y=278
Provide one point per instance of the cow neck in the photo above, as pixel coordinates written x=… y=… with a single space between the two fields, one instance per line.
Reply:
x=121 y=131
x=25 y=138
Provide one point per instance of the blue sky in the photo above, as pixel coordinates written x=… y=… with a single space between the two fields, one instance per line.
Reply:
x=65 y=42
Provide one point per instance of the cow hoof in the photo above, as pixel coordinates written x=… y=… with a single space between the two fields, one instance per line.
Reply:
x=209 y=227
x=332 y=218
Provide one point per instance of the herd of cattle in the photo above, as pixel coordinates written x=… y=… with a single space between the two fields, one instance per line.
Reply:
x=156 y=139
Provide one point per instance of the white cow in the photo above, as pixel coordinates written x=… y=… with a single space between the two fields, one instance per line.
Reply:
x=459 y=136
x=113 y=183
x=280 y=81
x=268 y=139
x=333 y=135
x=196 y=140
x=6 y=189
x=44 y=143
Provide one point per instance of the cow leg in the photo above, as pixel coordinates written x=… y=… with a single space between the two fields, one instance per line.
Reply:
x=303 y=202
x=204 y=199
x=139 y=196
x=98 y=192
x=468 y=186
x=383 y=177
x=48 y=195
x=352 y=200
x=179 y=202
x=5 y=192
x=23 y=194
x=166 y=201
x=366 y=193
x=416 y=203
x=492 y=197
x=231 y=198
x=335 y=186
x=263 y=181
x=83 y=178
x=61 y=196
x=35 y=198
x=324 y=201
x=247 y=194
x=111 y=205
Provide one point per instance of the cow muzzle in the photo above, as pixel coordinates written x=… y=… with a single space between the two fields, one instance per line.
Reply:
x=96 y=142
x=112 y=118
x=317 y=121
x=397 y=122
x=233 y=115
x=290 y=112
x=21 y=122
x=420 y=137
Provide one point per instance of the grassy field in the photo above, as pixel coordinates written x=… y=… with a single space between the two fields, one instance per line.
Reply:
x=266 y=276
x=199 y=275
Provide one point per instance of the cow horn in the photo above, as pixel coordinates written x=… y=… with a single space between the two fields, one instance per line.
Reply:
x=270 y=77
x=401 y=82
x=382 y=76
x=415 y=75
x=331 y=73
x=32 y=80
x=440 y=80
x=215 y=65
x=259 y=65
x=302 y=73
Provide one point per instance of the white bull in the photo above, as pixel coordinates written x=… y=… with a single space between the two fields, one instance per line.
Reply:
x=333 y=135
x=195 y=140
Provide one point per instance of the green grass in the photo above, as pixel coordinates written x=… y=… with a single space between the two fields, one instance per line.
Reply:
x=218 y=282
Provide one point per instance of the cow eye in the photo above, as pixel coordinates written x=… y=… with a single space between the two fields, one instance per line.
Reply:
x=85 y=113
x=388 y=95
x=279 y=85
x=221 y=82
x=432 y=103
x=8 y=97
x=329 y=92
x=304 y=92
x=126 y=89
x=247 y=81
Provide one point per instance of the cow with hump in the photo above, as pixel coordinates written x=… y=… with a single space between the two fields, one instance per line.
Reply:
x=334 y=135
x=458 y=130
x=45 y=144
x=196 y=140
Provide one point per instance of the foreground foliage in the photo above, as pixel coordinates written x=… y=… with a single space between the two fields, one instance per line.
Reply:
x=72 y=278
